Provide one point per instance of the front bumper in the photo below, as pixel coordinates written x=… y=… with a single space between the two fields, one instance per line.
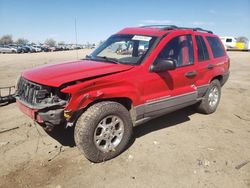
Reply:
x=43 y=116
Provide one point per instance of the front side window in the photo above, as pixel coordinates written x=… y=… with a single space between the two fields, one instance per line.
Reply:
x=124 y=49
x=179 y=49
x=216 y=46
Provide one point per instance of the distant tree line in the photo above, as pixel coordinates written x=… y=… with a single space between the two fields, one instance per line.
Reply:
x=242 y=39
x=6 y=39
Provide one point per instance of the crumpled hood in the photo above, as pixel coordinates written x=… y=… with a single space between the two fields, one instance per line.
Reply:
x=58 y=74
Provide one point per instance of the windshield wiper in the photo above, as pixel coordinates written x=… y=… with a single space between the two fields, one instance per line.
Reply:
x=111 y=60
x=105 y=58
x=88 y=57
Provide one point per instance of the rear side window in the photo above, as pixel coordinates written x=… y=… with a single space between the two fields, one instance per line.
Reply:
x=217 y=48
x=229 y=40
x=180 y=49
x=202 y=49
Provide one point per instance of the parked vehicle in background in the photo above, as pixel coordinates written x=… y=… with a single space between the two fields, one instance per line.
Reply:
x=61 y=47
x=34 y=48
x=228 y=42
x=24 y=49
x=7 y=49
x=17 y=47
x=29 y=48
x=45 y=48
x=37 y=48
x=248 y=46
x=66 y=47
x=77 y=47
x=160 y=69
x=233 y=43
x=52 y=48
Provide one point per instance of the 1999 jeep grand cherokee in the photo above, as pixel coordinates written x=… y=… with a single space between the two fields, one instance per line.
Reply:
x=136 y=75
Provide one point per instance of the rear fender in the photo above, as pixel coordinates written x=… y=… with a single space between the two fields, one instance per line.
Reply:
x=218 y=71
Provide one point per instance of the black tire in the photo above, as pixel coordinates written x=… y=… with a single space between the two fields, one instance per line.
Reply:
x=204 y=105
x=87 y=123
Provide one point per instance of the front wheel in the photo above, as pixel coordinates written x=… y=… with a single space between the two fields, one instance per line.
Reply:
x=211 y=100
x=103 y=131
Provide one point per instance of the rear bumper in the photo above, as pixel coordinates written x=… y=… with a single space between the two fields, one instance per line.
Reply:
x=44 y=116
x=225 y=78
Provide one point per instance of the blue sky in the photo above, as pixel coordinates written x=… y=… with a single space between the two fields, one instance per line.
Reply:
x=97 y=20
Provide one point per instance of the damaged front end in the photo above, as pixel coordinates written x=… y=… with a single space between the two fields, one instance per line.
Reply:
x=44 y=104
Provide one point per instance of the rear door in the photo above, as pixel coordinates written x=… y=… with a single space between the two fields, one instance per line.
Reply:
x=172 y=89
x=220 y=63
x=212 y=60
x=204 y=66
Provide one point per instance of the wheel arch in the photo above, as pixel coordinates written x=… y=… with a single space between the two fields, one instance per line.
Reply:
x=218 y=77
x=124 y=101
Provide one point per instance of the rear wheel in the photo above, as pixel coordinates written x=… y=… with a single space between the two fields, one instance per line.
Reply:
x=103 y=131
x=211 y=100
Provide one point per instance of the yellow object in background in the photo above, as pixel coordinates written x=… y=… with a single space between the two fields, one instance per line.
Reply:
x=240 y=45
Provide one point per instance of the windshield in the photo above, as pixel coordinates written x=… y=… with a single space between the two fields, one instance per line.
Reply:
x=124 y=49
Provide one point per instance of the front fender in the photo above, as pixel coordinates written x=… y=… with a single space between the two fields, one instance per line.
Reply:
x=84 y=97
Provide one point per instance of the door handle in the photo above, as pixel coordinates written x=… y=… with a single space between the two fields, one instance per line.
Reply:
x=210 y=66
x=191 y=74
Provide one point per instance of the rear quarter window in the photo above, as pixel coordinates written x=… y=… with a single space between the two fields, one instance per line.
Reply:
x=202 y=49
x=216 y=46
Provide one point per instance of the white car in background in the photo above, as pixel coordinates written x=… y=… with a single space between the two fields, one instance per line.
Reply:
x=229 y=42
x=7 y=49
x=37 y=48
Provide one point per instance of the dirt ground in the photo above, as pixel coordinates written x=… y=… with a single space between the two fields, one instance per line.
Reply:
x=182 y=149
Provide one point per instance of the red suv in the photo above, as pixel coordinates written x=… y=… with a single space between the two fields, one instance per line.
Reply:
x=135 y=75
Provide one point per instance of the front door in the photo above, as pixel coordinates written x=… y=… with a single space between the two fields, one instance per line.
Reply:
x=172 y=89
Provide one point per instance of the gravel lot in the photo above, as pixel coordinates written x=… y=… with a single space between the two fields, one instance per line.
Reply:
x=181 y=149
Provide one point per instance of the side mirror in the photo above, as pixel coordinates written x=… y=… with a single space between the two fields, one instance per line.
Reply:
x=162 y=65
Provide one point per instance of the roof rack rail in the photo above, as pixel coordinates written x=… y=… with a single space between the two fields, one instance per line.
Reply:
x=196 y=29
x=170 y=27
x=163 y=27
x=200 y=29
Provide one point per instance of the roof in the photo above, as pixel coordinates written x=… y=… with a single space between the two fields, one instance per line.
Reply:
x=157 y=30
x=143 y=31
